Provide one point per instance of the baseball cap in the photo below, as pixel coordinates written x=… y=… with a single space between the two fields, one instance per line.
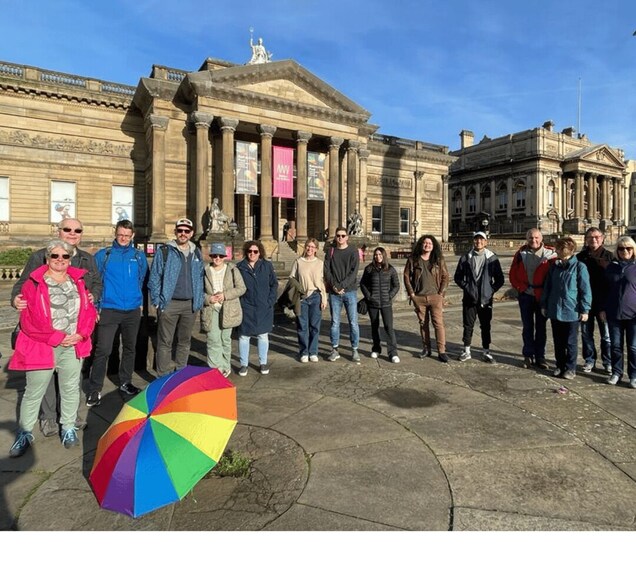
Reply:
x=480 y=234
x=218 y=249
x=184 y=222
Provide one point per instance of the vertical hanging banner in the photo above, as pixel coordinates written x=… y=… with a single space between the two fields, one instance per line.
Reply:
x=316 y=176
x=246 y=167
x=283 y=169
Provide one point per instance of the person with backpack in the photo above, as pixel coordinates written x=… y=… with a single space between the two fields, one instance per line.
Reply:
x=123 y=269
x=176 y=291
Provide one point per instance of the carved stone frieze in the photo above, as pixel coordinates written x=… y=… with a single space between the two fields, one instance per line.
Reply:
x=39 y=141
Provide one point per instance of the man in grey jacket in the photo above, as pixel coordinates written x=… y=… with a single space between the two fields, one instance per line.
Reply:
x=176 y=290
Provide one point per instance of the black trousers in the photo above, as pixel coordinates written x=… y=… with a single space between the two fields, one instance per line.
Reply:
x=470 y=313
x=387 y=319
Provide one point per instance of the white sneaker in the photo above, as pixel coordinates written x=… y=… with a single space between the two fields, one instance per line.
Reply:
x=465 y=356
x=304 y=358
x=313 y=358
x=374 y=355
x=395 y=359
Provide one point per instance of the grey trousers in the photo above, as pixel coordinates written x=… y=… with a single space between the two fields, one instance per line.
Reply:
x=177 y=316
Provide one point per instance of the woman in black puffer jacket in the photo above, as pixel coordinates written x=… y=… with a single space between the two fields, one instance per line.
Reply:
x=379 y=285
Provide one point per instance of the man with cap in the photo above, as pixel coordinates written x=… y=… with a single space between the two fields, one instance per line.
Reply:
x=480 y=276
x=222 y=308
x=123 y=269
x=176 y=290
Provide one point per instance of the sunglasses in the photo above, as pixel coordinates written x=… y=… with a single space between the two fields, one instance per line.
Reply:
x=57 y=256
x=184 y=230
x=339 y=235
x=215 y=256
x=624 y=249
x=253 y=251
x=74 y=230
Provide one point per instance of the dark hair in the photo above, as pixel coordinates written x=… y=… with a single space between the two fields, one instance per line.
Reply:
x=588 y=231
x=385 y=259
x=126 y=224
x=340 y=228
x=258 y=244
x=436 y=253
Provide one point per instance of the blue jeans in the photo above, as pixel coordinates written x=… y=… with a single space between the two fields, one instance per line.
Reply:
x=587 y=340
x=619 y=329
x=308 y=324
x=534 y=327
x=565 y=336
x=244 y=349
x=350 y=301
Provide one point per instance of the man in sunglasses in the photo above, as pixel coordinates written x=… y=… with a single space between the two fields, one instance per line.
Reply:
x=176 y=290
x=341 y=271
x=69 y=231
x=123 y=270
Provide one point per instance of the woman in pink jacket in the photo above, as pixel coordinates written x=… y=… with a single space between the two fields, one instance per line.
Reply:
x=55 y=331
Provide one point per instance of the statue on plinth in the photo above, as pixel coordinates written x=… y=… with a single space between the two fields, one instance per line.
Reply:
x=354 y=225
x=218 y=219
x=259 y=53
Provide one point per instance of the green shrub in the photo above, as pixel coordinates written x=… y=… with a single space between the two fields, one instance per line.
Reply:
x=16 y=257
x=232 y=464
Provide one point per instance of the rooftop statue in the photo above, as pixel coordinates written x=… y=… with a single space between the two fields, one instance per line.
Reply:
x=259 y=53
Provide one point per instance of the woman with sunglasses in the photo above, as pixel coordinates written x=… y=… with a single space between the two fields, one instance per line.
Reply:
x=257 y=304
x=379 y=285
x=619 y=309
x=222 y=308
x=308 y=270
x=55 y=331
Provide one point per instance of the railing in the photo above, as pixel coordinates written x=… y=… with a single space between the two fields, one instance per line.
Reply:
x=115 y=88
x=60 y=78
x=10 y=273
x=11 y=70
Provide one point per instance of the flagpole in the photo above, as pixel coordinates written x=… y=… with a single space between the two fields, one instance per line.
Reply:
x=578 y=125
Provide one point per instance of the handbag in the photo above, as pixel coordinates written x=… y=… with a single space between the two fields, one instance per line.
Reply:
x=362 y=306
x=14 y=335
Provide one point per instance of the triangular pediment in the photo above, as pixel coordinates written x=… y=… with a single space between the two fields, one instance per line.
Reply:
x=600 y=154
x=275 y=83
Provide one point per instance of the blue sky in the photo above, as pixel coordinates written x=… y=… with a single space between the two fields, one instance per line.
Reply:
x=424 y=69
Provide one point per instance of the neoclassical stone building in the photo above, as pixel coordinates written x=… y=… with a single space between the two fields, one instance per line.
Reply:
x=556 y=181
x=268 y=144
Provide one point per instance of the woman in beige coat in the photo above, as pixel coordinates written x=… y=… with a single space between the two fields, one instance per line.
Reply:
x=222 y=308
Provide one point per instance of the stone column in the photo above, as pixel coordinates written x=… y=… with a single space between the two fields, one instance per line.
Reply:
x=302 y=138
x=464 y=203
x=334 y=184
x=605 y=211
x=591 y=199
x=228 y=127
x=417 y=179
x=352 y=176
x=445 y=208
x=202 y=122
x=363 y=154
x=618 y=201
x=477 y=186
x=156 y=137
x=510 y=204
x=493 y=200
x=267 y=228
x=578 y=195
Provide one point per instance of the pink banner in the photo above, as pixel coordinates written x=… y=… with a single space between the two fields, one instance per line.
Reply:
x=283 y=170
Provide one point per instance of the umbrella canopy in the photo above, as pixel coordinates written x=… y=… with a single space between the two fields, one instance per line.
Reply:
x=164 y=441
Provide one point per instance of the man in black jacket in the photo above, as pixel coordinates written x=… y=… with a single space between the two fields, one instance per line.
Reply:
x=596 y=258
x=70 y=231
x=479 y=275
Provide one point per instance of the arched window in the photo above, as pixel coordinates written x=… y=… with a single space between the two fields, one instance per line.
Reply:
x=471 y=201
x=519 y=194
x=502 y=197
x=457 y=202
x=484 y=199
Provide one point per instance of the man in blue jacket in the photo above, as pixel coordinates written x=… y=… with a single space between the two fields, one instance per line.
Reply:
x=176 y=290
x=123 y=270
x=479 y=275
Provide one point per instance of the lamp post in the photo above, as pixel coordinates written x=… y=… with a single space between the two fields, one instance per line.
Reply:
x=415 y=223
x=233 y=227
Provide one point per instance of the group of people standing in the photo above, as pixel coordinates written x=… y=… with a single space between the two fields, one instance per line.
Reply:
x=65 y=293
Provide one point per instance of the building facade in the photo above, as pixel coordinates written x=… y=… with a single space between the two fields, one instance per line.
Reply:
x=539 y=178
x=223 y=139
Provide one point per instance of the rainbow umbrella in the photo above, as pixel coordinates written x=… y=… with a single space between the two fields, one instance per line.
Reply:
x=164 y=441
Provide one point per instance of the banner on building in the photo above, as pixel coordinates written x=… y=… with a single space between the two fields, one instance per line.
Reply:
x=283 y=172
x=246 y=167
x=316 y=176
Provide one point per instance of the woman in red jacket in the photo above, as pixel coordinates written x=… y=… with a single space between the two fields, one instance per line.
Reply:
x=55 y=330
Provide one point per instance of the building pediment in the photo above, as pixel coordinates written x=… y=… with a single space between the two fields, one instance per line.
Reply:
x=596 y=155
x=283 y=84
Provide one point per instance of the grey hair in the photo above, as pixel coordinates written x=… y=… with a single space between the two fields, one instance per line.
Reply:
x=59 y=243
x=61 y=224
x=626 y=241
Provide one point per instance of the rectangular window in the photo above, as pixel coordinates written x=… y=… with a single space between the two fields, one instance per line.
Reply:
x=122 y=203
x=62 y=200
x=4 y=199
x=376 y=219
x=405 y=221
